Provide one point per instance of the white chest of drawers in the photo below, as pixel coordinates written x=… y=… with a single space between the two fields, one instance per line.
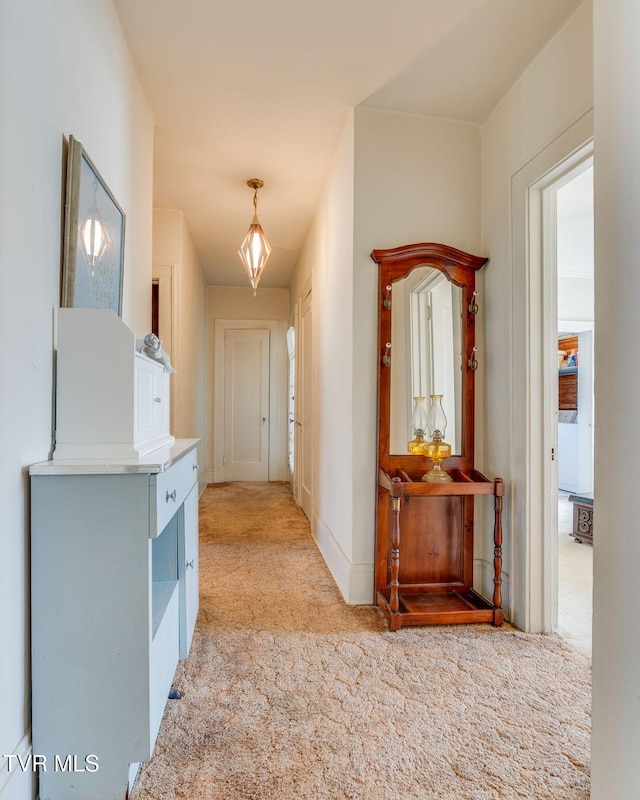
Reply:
x=114 y=601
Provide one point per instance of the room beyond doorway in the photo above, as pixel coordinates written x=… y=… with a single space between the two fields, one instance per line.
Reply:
x=575 y=582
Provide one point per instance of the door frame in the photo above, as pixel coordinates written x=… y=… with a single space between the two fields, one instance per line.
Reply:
x=167 y=325
x=291 y=414
x=305 y=295
x=221 y=326
x=534 y=367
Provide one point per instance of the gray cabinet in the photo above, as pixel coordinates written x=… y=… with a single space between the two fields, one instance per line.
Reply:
x=114 y=600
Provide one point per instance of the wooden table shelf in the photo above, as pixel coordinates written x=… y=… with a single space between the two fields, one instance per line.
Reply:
x=463 y=483
x=425 y=568
x=449 y=607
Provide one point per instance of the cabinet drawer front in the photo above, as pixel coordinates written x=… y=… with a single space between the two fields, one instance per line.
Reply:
x=169 y=489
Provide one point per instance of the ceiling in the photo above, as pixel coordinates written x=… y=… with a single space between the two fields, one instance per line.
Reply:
x=252 y=89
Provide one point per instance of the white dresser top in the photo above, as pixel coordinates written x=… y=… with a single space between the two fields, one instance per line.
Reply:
x=157 y=461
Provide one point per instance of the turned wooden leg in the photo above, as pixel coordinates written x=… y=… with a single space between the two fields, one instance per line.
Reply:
x=497 y=549
x=394 y=600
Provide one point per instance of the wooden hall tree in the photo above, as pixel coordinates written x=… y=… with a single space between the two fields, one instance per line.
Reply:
x=424 y=530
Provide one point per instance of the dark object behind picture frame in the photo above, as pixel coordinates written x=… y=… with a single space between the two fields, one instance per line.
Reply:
x=88 y=283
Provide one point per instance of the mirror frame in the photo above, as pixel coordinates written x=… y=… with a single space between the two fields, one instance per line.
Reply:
x=460 y=269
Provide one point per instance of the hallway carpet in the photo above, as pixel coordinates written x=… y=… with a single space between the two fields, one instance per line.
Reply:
x=290 y=694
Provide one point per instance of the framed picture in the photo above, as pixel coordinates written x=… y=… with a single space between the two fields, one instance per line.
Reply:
x=93 y=257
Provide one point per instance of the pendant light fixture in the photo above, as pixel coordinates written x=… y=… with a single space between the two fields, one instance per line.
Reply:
x=255 y=250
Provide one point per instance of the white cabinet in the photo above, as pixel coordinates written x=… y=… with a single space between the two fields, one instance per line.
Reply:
x=152 y=393
x=112 y=402
x=114 y=601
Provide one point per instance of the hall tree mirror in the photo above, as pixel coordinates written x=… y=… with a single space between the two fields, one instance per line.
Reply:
x=426 y=477
x=426 y=331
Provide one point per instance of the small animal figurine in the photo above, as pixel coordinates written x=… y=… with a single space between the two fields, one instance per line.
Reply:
x=152 y=347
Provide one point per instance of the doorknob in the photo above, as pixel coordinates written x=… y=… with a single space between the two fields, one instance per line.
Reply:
x=264 y=419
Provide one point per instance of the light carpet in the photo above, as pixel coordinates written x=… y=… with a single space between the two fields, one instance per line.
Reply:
x=290 y=693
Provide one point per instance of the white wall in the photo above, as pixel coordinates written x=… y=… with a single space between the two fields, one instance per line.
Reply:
x=575 y=303
x=575 y=253
x=554 y=92
x=327 y=261
x=396 y=179
x=616 y=635
x=238 y=303
x=64 y=69
x=417 y=179
x=173 y=245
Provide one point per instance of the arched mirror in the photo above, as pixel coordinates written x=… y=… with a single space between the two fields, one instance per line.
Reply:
x=427 y=347
x=426 y=336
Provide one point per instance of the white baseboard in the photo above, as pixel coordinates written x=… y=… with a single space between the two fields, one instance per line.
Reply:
x=203 y=480
x=483 y=583
x=17 y=784
x=355 y=581
x=283 y=474
x=361 y=584
x=209 y=475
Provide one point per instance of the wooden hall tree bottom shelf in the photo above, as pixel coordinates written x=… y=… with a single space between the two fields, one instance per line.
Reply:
x=439 y=608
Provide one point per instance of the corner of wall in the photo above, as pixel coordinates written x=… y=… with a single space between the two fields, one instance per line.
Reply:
x=354 y=580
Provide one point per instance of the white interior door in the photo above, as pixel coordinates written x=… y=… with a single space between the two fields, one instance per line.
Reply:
x=246 y=405
x=305 y=438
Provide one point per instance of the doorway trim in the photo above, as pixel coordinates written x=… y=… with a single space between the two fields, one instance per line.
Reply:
x=306 y=406
x=164 y=275
x=275 y=413
x=534 y=373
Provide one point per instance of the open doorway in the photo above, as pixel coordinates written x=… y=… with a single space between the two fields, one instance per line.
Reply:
x=575 y=304
x=533 y=575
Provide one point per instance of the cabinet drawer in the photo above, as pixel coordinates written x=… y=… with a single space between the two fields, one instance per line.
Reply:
x=168 y=490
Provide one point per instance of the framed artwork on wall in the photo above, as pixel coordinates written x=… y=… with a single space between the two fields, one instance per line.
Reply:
x=93 y=256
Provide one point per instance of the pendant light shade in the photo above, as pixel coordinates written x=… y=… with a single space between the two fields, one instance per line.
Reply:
x=255 y=250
